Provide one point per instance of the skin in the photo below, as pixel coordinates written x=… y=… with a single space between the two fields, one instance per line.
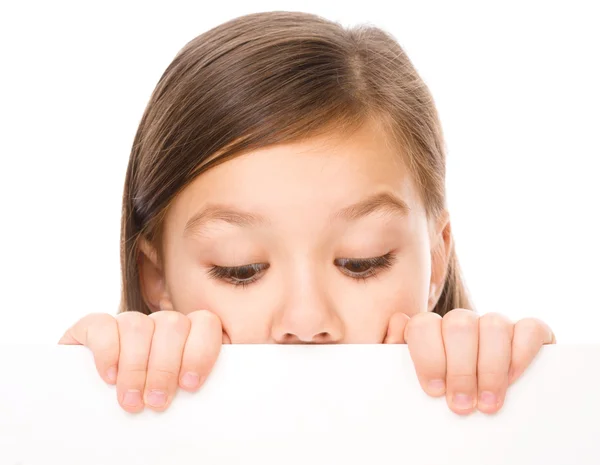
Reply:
x=306 y=290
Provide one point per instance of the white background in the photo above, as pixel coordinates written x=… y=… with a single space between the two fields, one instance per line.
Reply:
x=297 y=405
x=515 y=83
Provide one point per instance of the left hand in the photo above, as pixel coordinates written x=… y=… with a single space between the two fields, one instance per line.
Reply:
x=469 y=358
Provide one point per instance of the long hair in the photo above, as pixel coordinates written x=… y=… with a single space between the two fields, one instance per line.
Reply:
x=270 y=78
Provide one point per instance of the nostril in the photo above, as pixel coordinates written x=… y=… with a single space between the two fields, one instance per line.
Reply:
x=322 y=337
x=288 y=338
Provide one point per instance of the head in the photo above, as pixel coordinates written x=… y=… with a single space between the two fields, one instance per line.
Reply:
x=288 y=174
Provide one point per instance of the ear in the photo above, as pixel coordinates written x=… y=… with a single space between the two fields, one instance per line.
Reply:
x=152 y=279
x=441 y=246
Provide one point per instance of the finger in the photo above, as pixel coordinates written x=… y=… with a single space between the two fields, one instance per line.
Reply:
x=225 y=339
x=461 y=339
x=396 y=327
x=426 y=347
x=135 y=336
x=495 y=347
x=100 y=333
x=530 y=334
x=201 y=349
x=171 y=330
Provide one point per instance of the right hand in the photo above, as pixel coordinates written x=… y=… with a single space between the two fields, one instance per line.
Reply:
x=148 y=356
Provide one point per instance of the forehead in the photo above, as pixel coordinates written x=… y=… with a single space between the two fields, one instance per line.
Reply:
x=312 y=177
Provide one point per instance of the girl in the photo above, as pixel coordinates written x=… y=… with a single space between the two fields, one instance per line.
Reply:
x=287 y=185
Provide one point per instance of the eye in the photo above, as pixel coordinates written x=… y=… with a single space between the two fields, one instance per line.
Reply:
x=239 y=275
x=362 y=268
x=357 y=266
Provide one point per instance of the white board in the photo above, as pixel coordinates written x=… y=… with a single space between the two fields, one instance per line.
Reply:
x=274 y=404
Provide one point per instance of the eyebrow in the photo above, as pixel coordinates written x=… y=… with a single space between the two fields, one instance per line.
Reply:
x=383 y=201
x=380 y=202
x=221 y=213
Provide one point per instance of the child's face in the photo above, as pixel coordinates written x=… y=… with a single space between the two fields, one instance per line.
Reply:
x=293 y=223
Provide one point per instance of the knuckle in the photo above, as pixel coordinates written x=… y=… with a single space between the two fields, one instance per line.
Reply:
x=135 y=322
x=97 y=319
x=460 y=320
x=173 y=320
x=531 y=328
x=494 y=321
x=458 y=311
x=423 y=319
x=205 y=318
x=420 y=322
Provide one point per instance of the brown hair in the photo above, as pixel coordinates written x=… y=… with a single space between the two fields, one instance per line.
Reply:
x=270 y=78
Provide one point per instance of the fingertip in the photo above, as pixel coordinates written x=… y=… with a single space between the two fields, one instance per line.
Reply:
x=461 y=403
x=489 y=403
x=191 y=382
x=131 y=401
x=434 y=387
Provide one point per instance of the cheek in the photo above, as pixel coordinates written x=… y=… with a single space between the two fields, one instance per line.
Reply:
x=366 y=308
x=247 y=319
x=243 y=312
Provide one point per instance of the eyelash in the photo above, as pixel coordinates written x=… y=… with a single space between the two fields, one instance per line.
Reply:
x=230 y=274
x=376 y=265
x=227 y=273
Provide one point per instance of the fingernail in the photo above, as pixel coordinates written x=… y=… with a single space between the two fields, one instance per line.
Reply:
x=132 y=398
x=190 y=380
x=463 y=401
x=488 y=398
x=111 y=374
x=436 y=385
x=156 y=398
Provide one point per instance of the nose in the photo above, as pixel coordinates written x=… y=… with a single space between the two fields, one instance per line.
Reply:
x=307 y=316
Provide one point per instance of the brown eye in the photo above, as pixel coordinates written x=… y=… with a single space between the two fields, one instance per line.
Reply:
x=243 y=273
x=358 y=266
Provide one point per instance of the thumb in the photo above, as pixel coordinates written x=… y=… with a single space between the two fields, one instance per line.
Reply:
x=396 y=327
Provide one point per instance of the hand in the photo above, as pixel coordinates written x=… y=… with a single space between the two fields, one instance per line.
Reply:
x=470 y=359
x=150 y=354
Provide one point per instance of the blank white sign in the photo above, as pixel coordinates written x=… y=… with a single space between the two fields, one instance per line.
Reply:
x=274 y=404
